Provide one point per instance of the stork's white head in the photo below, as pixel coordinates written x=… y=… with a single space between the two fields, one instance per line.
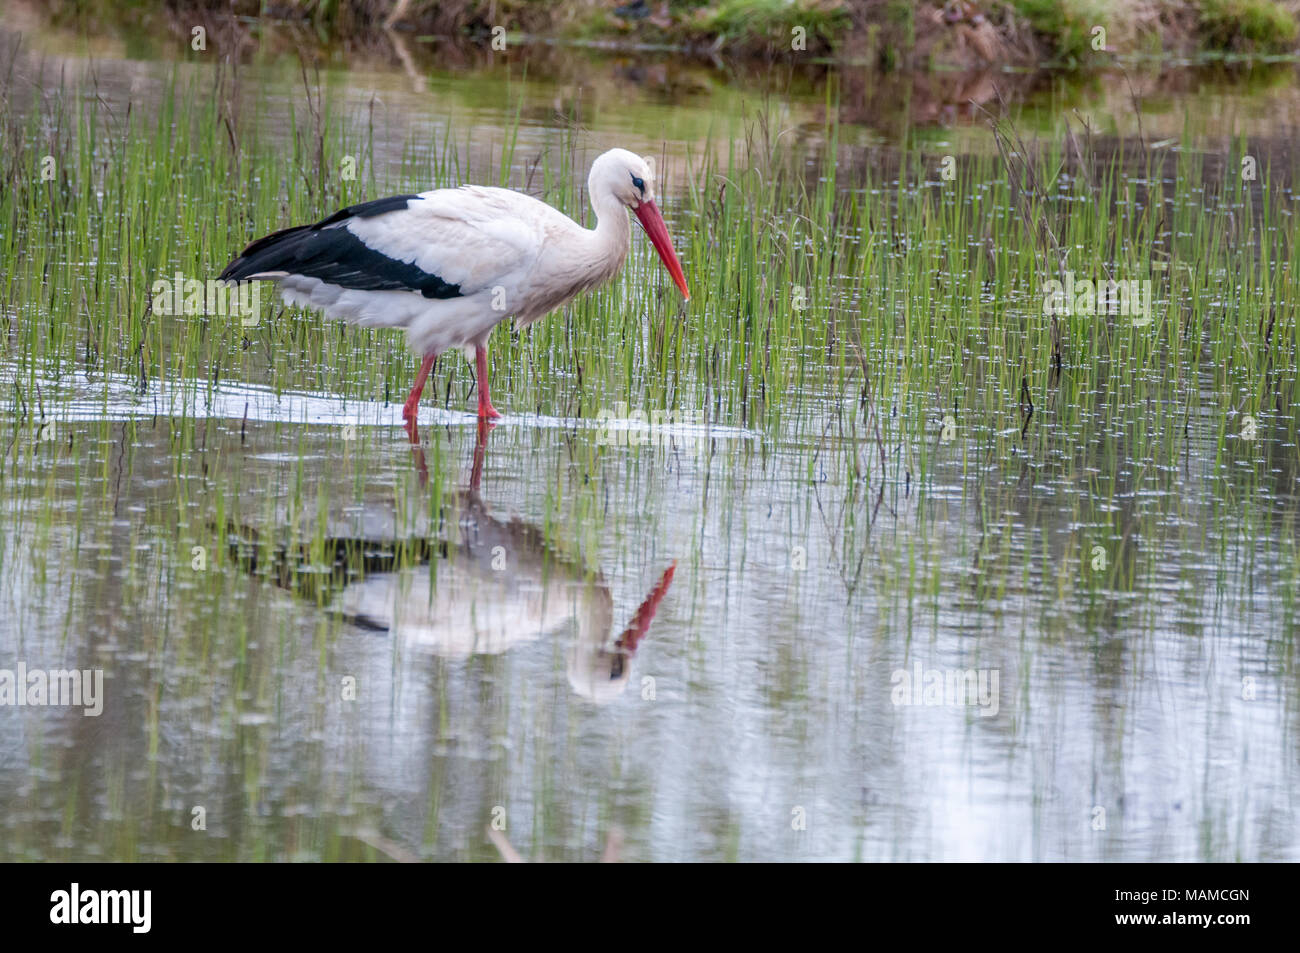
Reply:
x=625 y=175
x=630 y=180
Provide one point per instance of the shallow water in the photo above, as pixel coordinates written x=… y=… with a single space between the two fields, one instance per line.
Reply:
x=1143 y=708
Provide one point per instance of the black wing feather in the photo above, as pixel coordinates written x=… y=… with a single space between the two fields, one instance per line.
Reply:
x=330 y=252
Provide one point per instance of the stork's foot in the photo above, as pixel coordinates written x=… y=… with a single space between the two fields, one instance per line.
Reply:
x=488 y=412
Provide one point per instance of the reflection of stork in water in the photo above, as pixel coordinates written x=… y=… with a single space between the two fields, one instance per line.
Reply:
x=494 y=583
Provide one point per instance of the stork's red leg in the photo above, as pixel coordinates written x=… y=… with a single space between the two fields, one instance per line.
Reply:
x=485 y=409
x=412 y=405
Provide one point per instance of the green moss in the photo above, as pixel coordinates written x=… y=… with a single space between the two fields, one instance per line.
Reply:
x=1247 y=25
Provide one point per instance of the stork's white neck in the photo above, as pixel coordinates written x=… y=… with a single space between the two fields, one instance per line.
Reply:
x=613 y=231
x=611 y=238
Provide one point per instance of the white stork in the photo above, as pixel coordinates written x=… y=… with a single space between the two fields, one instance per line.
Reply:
x=450 y=264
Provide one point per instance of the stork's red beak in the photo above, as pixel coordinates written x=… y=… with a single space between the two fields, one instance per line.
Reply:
x=654 y=226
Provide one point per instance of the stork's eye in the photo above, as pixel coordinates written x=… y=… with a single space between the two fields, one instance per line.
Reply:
x=640 y=184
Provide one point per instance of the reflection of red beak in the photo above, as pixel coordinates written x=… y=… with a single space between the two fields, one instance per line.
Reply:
x=654 y=226
x=640 y=623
